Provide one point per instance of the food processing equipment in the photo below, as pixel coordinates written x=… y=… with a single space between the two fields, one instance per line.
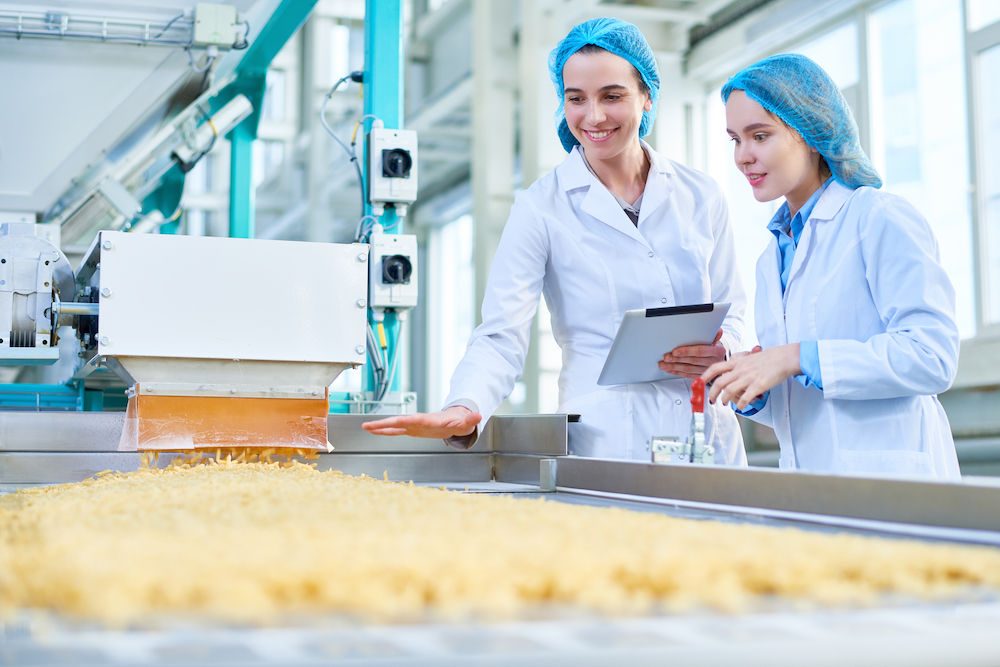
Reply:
x=241 y=321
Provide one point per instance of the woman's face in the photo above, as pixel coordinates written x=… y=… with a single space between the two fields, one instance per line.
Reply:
x=603 y=103
x=774 y=158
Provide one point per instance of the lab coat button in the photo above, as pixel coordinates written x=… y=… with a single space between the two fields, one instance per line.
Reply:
x=677 y=401
x=652 y=254
x=663 y=300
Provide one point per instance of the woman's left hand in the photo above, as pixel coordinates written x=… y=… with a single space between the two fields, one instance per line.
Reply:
x=690 y=361
x=747 y=376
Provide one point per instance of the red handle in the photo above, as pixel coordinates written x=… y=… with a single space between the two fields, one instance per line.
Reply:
x=698 y=395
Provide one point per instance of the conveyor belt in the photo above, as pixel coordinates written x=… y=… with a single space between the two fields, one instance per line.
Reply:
x=907 y=635
x=902 y=632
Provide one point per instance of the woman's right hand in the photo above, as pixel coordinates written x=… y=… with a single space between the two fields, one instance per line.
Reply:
x=447 y=423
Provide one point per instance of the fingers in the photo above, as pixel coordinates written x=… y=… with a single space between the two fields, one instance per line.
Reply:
x=380 y=424
x=385 y=430
x=682 y=370
x=697 y=351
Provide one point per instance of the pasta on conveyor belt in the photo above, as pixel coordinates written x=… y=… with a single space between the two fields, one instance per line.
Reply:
x=265 y=542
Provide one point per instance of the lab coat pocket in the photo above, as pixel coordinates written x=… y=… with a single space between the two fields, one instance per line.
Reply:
x=880 y=436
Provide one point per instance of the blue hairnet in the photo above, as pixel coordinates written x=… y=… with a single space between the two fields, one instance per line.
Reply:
x=802 y=94
x=618 y=37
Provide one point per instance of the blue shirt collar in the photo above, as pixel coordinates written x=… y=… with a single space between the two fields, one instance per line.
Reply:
x=782 y=223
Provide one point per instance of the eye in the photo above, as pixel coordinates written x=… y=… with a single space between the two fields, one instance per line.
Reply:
x=613 y=98
x=735 y=140
x=574 y=99
x=760 y=136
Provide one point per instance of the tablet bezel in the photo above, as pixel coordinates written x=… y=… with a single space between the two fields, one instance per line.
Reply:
x=646 y=334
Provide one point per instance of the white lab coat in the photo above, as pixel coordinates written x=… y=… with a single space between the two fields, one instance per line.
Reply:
x=866 y=284
x=568 y=237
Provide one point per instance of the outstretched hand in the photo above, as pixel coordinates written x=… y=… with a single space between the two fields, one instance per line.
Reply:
x=690 y=361
x=447 y=423
x=746 y=376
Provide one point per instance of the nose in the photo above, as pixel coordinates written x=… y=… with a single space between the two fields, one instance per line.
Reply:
x=595 y=113
x=742 y=154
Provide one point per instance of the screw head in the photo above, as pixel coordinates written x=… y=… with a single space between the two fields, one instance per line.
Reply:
x=359 y=349
x=361 y=303
x=105 y=292
x=104 y=340
x=362 y=256
x=106 y=244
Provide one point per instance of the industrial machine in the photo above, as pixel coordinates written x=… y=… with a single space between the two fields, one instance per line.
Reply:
x=236 y=341
x=215 y=341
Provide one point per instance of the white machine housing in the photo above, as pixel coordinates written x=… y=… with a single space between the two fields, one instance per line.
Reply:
x=208 y=316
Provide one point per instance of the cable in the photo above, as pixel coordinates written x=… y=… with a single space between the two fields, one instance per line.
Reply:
x=169 y=23
x=208 y=65
x=243 y=42
x=361 y=235
x=395 y=361
x=356 y=76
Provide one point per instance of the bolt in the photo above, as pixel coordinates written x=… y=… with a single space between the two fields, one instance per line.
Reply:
x=362 y=256
x=361 y=303
x=107 y=244
x=105 y=292
x=105 y=340
x=359 y=349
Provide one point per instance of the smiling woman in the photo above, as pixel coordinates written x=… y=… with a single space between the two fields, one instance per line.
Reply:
x=615 y=227
x=854 y=312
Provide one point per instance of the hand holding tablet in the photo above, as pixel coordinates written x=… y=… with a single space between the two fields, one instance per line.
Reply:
x=645 y=335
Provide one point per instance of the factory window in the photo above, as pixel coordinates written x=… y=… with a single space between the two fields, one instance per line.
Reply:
x=339 y=52
x=988 y=148
x=273 y=108
x=982 y=13
x=918 y=126
x=268 y=156
x=450 y=304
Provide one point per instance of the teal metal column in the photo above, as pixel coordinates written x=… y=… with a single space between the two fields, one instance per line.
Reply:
x=251 y=78
x=383 y=93
x=241 y=193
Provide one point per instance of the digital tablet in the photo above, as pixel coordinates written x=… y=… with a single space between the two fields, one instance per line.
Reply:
x=645 y=335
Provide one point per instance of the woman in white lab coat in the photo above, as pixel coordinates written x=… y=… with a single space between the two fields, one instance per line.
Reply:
x=854 y=313
x=615 y=227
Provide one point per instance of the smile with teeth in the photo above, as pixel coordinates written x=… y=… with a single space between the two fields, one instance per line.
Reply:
x=755 y=178
x=597 y=135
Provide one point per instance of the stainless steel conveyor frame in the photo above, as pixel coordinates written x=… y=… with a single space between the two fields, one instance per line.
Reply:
x=528 y=453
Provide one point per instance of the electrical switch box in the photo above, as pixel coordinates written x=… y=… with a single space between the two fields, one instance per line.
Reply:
x=391 y=166
x=215 y=25
x=392 y=266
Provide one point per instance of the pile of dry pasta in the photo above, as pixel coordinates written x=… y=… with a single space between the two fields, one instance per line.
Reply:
x=261 y=542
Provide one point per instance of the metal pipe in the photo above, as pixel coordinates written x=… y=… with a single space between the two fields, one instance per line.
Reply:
x=74 y=308
x=62 y=25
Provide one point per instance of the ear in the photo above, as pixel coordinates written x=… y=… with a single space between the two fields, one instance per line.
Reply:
x=648 y=104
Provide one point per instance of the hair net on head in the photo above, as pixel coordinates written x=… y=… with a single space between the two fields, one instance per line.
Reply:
x=618 y=37
x=802 y=94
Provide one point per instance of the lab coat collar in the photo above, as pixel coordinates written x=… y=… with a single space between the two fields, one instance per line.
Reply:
x=831 y=201
x=573 y=174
